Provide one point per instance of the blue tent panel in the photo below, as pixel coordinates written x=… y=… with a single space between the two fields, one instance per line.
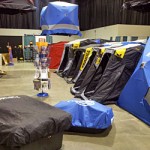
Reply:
x=42 y=15
x=87 y=114
x=61 y=13
x=133 y=97
x=60 y=18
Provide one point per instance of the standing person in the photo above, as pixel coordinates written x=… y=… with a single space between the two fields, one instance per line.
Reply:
x=14 y=51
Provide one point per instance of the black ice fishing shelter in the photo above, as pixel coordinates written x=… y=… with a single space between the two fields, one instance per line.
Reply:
x=25 y=5
x=88 y=54
x=77 y=56
x=88 y=71
x=71 y=57
x=94 y=74
x=117 y=72
x=138 y=5
x=67 y=56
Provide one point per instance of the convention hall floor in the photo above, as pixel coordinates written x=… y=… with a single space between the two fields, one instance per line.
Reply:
x=127 y=132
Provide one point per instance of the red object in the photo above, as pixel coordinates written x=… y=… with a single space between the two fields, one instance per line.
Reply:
x=55 y=54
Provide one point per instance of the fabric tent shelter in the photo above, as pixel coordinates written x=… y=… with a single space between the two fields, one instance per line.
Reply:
x=138 y=5
x=135 y=97
x=114 y=70
x=55 y=54
x=92 y=73
x=117 y=72
x=93 y=76
x=85 y=70
x=67 y=57
x=88 y=55
x=25 y=5
x=60 y=18
x=74 y=56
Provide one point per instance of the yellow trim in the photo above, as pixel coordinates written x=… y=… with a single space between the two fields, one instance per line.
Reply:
x=76 y=45
x=120 y=52
x=98 y=61
x=87 y=54
x=102 y=51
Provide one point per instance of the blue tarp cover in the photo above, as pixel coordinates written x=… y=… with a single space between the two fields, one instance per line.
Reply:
x=88 y=114
x=60 y=18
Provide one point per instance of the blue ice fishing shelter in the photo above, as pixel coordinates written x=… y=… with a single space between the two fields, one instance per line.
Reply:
x=87 y=114
x=135 y=97
x=60 y=18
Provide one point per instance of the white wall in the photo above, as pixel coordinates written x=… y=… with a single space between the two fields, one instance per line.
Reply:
x=57 y=38
x=141 y=31
x=18 y=32
x=133 y=30
x=21 y=32
x=104 y=32
x=118 y=30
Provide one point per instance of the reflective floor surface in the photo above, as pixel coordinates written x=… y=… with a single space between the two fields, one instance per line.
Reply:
x=126 y=133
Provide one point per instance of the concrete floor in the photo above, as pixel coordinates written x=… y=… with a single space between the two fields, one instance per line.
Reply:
x=127 y=132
